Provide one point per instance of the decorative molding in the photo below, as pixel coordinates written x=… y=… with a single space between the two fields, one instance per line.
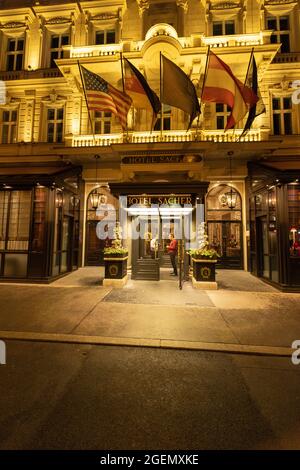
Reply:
x=58 y=20
x=143 y=5
x=104 y=17
x=224 y=6
x=13 y=25
x=184 y=4
x=284 y=85
x=53 y=98
x=278 y=2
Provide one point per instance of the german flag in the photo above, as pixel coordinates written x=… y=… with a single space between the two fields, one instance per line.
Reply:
x=139 y=91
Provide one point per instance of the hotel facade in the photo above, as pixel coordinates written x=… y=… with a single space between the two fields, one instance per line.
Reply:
x=56 y=159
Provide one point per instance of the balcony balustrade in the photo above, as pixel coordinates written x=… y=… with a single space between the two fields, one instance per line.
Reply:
x=254 y=135
x=94 y=50
x=286 y=57
x=30 y=74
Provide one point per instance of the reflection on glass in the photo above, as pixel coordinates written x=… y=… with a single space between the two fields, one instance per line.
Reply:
x=15 y=265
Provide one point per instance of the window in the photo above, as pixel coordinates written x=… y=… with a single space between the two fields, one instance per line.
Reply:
x=281 y=31
x=55 y=124
x=222 y=113
x=163 y=119
x=9 y=126
x=106 y=36
x=221 y=28
x=102 y=122
x=282 y=116
x=15 y=54
x=15 y=207
x=56 y=47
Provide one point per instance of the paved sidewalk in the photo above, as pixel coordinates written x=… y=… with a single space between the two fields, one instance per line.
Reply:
x=244 y=311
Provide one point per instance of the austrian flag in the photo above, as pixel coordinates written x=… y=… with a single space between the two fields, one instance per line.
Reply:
x=221 y=86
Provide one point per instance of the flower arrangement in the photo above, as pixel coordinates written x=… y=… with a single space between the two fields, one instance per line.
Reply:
x=116 y=247
x=203 y=251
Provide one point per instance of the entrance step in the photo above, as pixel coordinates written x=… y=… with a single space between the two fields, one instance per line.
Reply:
x=146 y=269
x=165 y=262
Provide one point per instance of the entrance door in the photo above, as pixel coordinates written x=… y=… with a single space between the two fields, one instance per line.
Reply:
x=145 y=259
x=94 y=246
x=224 y=227
x=226 y=238
x=263 y=247
x=150 y=259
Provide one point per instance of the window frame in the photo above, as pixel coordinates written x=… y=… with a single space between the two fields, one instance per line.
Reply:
x=55 y=121
x=223 y=24
x=224 y=114
x=105 y=30
x=277 y=33
x=12 y=137
x=103 y=118
x=164 y=116
x=14 y=53
x=59 y=50
x=281 y=112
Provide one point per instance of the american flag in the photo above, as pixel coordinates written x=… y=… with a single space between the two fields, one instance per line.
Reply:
x=101 y=96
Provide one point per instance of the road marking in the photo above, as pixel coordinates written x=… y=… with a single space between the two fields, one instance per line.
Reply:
x=148 y=343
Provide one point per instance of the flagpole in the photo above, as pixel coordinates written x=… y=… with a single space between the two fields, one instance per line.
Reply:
x=123 y=85
x=251 y=55
x=86 y=101
x=245 y=81
x=160 y=95
x=205 y=72
x=204 y=79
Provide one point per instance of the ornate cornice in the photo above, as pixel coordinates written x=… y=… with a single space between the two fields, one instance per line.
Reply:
x=143 y=5
x=224 y=6
x=58 y=20
x=13 y=25
x=278 y=2
x=104 y=16
x=184 y=4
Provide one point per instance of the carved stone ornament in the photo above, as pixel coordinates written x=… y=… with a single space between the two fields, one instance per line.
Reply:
x=104 y=16
x=58 y=20
x=184 y=4
x=278 y=2
x=53 y=97
x=143 y=6
x=224 y=6
x=285 y=84
x=14 y=25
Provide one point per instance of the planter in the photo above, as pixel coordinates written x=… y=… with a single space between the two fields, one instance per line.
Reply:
x=115 y=269
x=204 y=273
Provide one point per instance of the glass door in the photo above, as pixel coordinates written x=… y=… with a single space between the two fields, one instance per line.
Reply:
x=263 y=247
x=226 y=238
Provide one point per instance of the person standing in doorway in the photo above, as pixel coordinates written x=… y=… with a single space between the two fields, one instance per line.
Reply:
x=154 y=247
x=172 y=250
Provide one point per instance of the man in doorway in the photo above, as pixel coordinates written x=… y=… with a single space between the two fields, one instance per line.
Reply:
x=172 y=250
x=154 y=247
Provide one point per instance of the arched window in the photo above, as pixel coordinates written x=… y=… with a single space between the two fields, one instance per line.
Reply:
x=224 y=226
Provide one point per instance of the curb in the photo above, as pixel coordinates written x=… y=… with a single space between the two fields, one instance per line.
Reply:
x=229 y=348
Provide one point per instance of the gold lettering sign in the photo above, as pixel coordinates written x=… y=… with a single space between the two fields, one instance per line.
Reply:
x=167 y=200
